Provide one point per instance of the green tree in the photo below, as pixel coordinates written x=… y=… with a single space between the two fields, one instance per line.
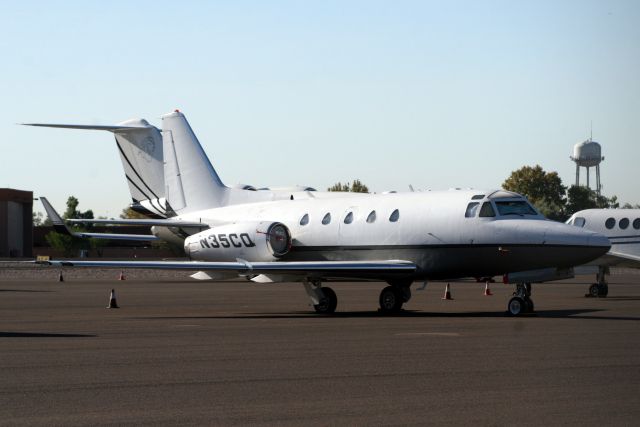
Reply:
x=356 y=187
x=580 y=198
x=543 y=189
x=70 y=245
x=128 y=213
x=37 y=219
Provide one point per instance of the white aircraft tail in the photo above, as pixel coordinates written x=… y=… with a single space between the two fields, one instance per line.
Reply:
x=191 y=182
x=141 y=152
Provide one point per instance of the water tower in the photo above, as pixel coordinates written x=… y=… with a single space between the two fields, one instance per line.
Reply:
x=588 y=154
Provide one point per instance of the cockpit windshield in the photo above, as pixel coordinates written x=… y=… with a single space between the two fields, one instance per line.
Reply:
x=515 y=207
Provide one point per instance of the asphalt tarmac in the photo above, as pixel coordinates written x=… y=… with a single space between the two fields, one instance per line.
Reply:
x=236 y=353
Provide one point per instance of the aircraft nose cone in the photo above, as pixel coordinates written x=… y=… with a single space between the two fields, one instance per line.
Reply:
x=584 y=245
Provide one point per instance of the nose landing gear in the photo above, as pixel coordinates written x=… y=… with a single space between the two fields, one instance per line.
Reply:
x=600 y=289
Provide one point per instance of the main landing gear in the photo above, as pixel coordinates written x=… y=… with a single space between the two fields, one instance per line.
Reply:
x=600 y=289
x=521 y=303
x=324 y=299
x=392 y=297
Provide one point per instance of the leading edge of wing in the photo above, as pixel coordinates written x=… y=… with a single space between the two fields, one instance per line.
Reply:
x=325 y=268
x=624 y=256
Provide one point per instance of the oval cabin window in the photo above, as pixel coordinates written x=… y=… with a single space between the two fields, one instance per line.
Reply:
x=636 y=223
x=327 y=219
x=304 y=220
x=395 y=216
x=624 y=223
x=371 y=218
x=349 y=218
x=610 y=223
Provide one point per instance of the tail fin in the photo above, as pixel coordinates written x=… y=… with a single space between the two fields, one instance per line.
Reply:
x=191 y=181
x=141 y=153
x=140 y=148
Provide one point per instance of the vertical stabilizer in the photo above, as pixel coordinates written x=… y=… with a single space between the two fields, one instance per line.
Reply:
x=141 y=152
x=191 y=182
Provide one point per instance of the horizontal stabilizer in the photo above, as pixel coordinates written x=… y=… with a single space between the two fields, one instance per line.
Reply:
x=111 y=128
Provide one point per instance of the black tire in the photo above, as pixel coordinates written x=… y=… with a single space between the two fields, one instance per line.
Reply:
x=529 y=305
x=594 y=290
x=391 y=300
x=328 y=304
x=516 y=306
x=406 y=293
x=603 y=291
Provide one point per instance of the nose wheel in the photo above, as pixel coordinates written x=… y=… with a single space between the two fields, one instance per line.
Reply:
x=600 y=289
x=521 y=303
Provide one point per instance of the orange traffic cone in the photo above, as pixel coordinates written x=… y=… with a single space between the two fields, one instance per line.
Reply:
x=60 y=278
x=112 y=300
x=121 y=277
x=487 y=291
x=447 y=293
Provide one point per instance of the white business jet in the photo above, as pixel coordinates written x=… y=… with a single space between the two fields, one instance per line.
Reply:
x=622 y=228
x=398 y=238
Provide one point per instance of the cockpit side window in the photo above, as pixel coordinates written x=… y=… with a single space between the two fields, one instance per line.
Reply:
x=487 y=210
x=579 y=221
x=472 y=210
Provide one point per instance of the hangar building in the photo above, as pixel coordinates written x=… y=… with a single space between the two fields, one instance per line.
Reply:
x=16 y=223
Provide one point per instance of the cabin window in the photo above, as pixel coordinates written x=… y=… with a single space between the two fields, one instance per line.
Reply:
x=349 y=218
x=636 y=223
x=486 y=210
x=395 y=215
x=326 y=219
x=624 y=223
x=610 y=223
x=478 y=197
x=579 y=221
x=371 y=218
x=472 y=209
x=304 y=220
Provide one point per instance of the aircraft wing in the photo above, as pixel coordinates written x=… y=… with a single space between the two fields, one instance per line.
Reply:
x=324 y=269
x=60 y=226
x=621 y=259
x=160 y=222
x=118 y=236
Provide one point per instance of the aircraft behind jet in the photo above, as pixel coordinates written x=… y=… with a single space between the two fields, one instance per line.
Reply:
x=622 y=228
x=397 y=238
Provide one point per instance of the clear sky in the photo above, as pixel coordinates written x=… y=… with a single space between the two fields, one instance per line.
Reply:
x=433 y=94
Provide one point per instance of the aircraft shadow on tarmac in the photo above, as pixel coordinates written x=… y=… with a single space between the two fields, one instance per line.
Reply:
x=42 y=335
x=550 y=314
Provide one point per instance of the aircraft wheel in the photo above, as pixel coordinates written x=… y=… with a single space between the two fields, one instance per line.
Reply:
x=329 y=303
x=516 y=306
x=406 y=293
x=603 y=291
x=594 y=290
x=391 y=299
x=529 y=305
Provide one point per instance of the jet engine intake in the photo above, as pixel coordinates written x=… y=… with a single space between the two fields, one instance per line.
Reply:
x=251 y=241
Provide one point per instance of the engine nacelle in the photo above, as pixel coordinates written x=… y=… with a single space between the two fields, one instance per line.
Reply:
x=538 y=276
x=251 y=241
